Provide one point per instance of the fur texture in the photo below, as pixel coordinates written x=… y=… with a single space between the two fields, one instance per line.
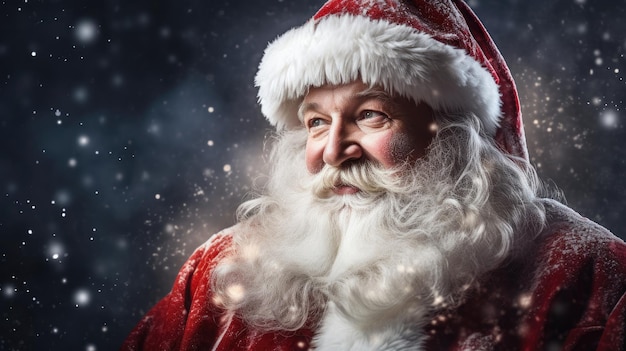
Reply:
x=338 y=333
x=341 y=49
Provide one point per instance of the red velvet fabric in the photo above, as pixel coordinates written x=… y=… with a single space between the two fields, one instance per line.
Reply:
x=566 y=292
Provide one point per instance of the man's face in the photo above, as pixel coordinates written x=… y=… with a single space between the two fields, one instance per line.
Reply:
x=352 y=122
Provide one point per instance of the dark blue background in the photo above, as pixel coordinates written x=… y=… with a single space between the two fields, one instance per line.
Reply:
x=129 y=132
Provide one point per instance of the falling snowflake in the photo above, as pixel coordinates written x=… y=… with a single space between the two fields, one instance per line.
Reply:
x=609 y=119
x=86 y=31
x=82 y=297
x=83 y=140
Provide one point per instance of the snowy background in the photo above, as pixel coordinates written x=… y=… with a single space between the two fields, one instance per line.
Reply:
x=129 y=132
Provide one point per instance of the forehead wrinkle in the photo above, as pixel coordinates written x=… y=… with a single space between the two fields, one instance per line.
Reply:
x=374 y=92
x=359 y=97
x=377 y=93
x=308 y=106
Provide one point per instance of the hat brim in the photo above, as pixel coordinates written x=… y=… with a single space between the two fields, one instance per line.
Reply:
x=341 y=49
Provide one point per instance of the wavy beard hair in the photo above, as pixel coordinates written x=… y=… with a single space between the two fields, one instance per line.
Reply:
x=412 y=241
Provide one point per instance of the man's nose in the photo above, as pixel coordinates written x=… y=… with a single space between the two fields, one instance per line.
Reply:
x=342 y=145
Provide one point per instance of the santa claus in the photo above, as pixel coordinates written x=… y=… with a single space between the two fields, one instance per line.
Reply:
x=401 y=212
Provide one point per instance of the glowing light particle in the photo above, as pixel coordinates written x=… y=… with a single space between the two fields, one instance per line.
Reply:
x=56 y=250
x=236 y=292
x=609 y=119
x=82 y=297
x=83 y=140
x=86 y=31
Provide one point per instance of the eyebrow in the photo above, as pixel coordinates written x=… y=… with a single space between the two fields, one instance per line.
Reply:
x=374 y=92
x=305 y=108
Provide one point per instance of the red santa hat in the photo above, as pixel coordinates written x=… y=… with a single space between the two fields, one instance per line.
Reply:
x=432 y=51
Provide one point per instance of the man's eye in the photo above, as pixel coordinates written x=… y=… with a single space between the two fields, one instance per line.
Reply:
x=315 y=122
x=368 y=114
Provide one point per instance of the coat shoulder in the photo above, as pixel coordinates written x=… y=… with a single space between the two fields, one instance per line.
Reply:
x=568 y=235
x=185 y=316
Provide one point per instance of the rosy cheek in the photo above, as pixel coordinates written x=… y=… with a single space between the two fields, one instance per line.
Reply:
x=313 y=159
x=400 y=148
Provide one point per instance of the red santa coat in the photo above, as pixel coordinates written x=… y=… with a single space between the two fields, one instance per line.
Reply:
x=568 y=292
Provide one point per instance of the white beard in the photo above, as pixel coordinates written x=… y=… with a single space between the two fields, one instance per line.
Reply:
x=367 y=270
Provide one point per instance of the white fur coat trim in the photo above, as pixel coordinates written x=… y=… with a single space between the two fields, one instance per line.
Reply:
x=341 y=49
x=338 y=333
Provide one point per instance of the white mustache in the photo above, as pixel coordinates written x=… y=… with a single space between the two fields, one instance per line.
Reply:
x=368 y=177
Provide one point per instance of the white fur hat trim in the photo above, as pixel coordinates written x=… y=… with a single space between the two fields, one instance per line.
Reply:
x=341 y=49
